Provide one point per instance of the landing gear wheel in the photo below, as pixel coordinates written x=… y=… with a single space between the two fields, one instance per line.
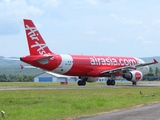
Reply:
x=81 y=83
x=134 y=83
x=110 y=82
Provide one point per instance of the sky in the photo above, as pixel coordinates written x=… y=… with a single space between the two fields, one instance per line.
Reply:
x=89 y=27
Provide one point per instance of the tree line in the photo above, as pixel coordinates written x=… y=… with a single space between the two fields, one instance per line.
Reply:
x=153 y=74
x=17 y=75
x=16 y=78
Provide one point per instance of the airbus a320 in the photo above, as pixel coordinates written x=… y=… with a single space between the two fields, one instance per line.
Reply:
x=88 y=67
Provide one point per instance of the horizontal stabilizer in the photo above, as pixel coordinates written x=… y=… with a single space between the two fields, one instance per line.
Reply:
x=43 y=59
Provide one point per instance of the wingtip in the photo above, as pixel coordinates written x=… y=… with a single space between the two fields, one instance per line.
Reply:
x=155 y=61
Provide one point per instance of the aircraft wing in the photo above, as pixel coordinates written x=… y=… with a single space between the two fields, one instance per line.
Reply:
x=128 y=67
x=147 y=63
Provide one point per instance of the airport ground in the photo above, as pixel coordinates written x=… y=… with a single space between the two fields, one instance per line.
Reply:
x=72 y=85
x=141 y=112
x=96 y=101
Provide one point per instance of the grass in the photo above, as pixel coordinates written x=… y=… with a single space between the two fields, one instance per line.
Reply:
x=70 y=103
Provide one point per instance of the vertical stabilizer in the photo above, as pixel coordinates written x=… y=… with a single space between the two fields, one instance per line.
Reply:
x=36 y=44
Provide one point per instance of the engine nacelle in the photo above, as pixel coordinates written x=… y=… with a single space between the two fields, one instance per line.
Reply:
x=89 y=79
x=133 y=75
x=92 y=79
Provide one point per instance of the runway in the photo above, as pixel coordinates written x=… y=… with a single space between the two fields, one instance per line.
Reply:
x=142 y=84
x=144 y=112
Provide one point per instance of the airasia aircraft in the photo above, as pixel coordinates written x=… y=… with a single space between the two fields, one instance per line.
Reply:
x=87 y=67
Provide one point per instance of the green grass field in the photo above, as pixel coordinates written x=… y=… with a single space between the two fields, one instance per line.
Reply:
x=60 y=104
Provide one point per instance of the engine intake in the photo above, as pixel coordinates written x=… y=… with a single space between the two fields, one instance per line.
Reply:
x=133 y=75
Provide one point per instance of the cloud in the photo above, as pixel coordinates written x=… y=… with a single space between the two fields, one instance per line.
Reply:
x=132 y=22
x=110 y=40
x=18 y=9
x=126 y=21
x=51 y=3
x=114 y=16
x=47 y=4
x=141 y=40
x=143 y=43
x=94 y=2
x=11 y=14
x=90 y=32
x=156 y=23
x=148 y=31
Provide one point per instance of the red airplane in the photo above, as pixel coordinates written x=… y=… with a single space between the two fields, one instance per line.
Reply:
x=88 y=67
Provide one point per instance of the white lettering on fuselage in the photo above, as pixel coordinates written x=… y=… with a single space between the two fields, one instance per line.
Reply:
x=34 y=36
x=113 y=61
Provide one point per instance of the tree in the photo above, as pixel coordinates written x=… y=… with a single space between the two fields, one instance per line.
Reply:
x=156 y=71
x=150 y=70
x=16 y=78
x=3 y=78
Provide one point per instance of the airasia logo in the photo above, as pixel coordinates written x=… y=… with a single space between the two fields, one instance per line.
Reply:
x=138 y=76
x=36 y=40
x=112 y=61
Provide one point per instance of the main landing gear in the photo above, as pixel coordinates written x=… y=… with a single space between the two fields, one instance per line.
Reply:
x=82 y=82
x=110 y=82
x=134 y=83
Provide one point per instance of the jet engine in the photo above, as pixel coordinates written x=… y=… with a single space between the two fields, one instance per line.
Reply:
x=133 y=75
x=92 y=79
x=88 y=79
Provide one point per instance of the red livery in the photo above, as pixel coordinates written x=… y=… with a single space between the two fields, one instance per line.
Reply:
x=87 y=67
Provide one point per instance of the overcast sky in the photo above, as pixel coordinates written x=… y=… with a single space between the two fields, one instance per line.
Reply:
x=96 y=27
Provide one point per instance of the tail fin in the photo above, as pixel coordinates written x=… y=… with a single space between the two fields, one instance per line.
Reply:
x=36 y=44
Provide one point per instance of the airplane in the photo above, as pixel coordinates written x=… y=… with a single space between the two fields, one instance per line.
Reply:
x=87 y=67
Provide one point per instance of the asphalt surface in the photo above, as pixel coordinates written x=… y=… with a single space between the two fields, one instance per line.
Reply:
x=145 y=112
x=145 y=84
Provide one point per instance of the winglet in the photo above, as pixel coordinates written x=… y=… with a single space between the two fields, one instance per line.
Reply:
x=155 y=61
